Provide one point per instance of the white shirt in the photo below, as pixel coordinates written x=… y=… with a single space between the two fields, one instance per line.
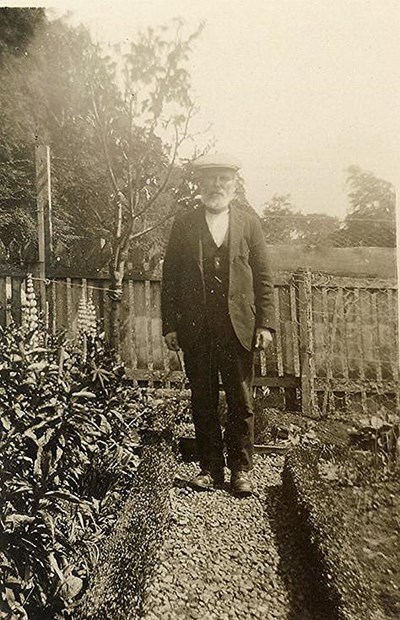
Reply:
x=218 y=225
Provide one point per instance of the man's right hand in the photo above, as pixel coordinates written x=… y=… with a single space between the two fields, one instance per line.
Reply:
x=171 y=340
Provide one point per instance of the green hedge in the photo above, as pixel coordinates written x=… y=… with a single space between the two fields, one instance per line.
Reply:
x=340 y=586
x=131 y=552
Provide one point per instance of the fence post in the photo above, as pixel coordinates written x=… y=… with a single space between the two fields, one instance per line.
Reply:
x=302 y=279
x=397 y=210
x=43 y=200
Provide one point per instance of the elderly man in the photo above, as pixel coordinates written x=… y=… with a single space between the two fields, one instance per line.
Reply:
x=217 y=305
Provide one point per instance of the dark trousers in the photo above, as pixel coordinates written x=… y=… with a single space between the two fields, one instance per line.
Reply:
x=235 y=364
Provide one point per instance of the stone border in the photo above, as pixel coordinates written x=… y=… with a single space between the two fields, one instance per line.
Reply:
x=340 y=585
x=188 y=448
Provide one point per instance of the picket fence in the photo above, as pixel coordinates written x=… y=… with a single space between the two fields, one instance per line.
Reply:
x=336 y=338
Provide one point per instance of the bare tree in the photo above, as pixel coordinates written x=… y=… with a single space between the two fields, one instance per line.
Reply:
x=142 y=142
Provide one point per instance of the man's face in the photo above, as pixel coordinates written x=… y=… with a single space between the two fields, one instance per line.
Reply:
x=217 y=187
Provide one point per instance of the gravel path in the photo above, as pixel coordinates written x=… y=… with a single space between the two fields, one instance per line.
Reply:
x=220 y=560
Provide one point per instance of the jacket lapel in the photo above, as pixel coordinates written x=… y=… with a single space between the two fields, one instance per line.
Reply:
x=194 y=236
x=236 y=223
x=235 y=232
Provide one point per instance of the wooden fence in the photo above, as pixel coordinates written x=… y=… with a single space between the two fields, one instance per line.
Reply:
x=142 y=345
x=353 y=343
x=336 y=337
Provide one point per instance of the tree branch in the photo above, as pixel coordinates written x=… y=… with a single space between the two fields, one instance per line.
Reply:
x=105 y=148
x=178 y=142
x=154 y=226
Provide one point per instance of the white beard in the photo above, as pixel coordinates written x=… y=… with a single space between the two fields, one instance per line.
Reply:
x=218 y=203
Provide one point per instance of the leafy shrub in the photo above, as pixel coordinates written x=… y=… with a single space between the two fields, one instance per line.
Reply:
x=68 y=422
x=381 y=434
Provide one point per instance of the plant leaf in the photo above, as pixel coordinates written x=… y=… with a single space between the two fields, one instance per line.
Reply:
x=83 y=394
x=71 y=587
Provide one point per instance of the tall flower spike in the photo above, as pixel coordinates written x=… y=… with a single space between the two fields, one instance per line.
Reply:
x=92 y=319
x=82 y=315
x=29 y=310
x=29 y=319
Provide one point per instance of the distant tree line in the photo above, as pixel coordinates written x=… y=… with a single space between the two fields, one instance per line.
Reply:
x=370 y=219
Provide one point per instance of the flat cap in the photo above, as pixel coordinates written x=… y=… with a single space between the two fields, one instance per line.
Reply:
x=217 y=160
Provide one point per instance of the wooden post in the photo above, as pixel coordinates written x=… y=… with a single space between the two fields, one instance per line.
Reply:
x=302 y=280
x=43 y=200
x=398 y=277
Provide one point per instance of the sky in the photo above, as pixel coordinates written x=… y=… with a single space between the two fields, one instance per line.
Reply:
x=297 y=89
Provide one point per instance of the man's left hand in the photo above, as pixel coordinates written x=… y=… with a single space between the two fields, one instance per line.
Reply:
x=263 y=338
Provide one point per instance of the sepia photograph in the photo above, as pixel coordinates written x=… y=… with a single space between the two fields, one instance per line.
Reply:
x=199 y=310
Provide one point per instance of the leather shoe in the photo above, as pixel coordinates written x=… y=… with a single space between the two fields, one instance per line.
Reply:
x=241 y=483
x=206 y=480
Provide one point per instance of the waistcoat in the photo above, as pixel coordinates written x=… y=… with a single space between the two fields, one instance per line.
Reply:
x=216 y=281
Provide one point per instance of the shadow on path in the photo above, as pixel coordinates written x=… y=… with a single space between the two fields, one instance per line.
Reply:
x=295 y=569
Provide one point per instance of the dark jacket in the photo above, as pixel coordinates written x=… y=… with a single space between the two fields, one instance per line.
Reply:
x=251 y=292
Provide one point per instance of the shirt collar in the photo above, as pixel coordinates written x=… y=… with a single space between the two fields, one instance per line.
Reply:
x=215 y=215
